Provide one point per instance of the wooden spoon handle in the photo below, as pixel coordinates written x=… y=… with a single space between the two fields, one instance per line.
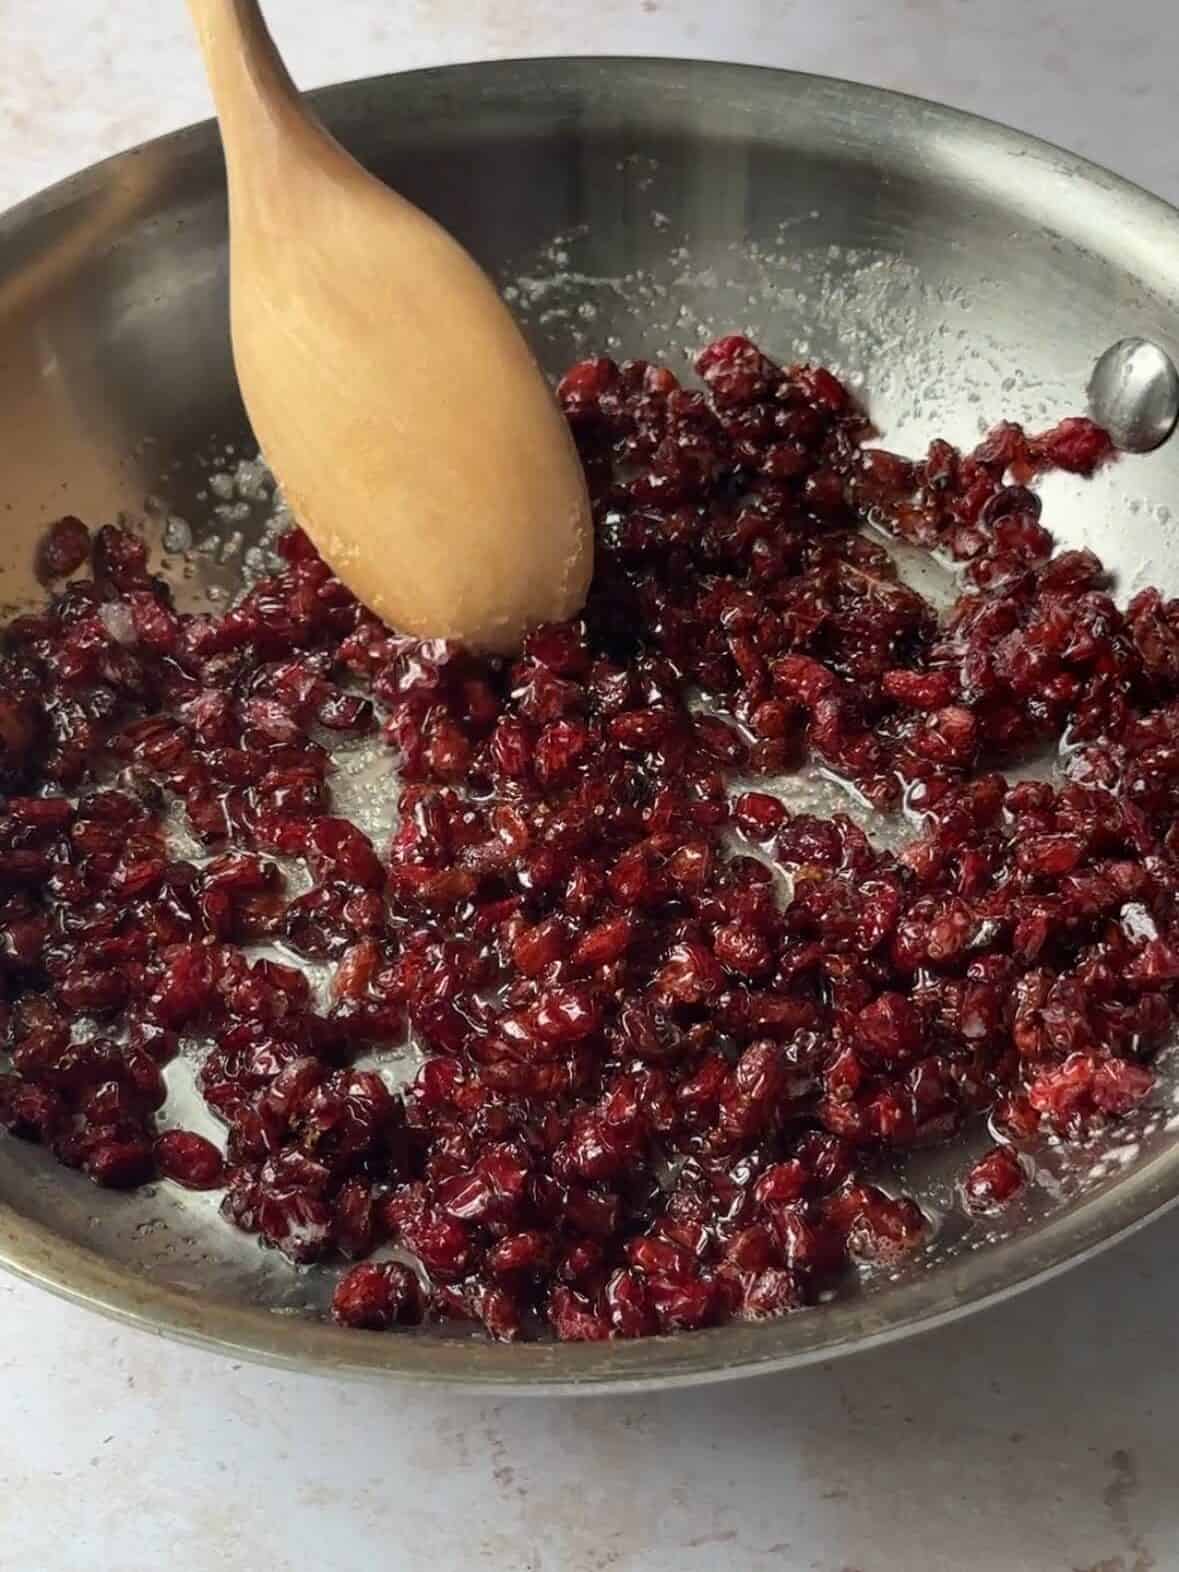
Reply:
x=261 y=113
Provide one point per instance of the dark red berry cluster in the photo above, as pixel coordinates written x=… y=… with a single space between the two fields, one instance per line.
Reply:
x=665 y=1024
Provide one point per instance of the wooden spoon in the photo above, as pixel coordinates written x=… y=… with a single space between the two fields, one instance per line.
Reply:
x=388 y=386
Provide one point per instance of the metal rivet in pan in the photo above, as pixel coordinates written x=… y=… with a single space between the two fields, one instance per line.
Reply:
x=1134 y=394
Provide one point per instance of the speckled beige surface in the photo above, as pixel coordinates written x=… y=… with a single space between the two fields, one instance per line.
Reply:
x=1041 y=1437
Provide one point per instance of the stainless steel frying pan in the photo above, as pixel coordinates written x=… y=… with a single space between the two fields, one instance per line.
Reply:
x=958 y=271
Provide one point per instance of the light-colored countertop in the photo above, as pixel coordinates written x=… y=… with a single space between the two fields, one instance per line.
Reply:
x=1042 y=1436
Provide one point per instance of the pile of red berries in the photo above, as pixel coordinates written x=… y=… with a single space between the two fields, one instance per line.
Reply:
x=665 y=1024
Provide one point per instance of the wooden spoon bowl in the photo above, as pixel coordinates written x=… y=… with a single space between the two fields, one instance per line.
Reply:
x=392 y=393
